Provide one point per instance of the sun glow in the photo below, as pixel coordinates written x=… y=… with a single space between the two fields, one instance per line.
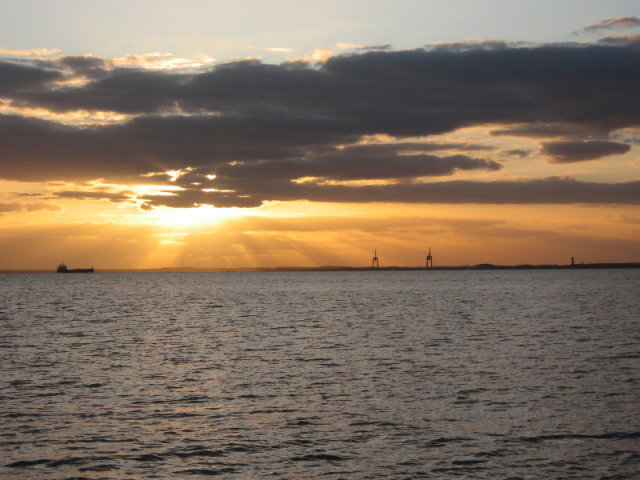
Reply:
x=202 y=215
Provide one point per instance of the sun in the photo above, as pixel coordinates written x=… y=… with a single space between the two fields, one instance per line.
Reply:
x=187 y=217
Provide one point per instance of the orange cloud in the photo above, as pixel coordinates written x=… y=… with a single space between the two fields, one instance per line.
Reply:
x=38 y=52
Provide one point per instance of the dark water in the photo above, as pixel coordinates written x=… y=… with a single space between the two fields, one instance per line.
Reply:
x=323 y=375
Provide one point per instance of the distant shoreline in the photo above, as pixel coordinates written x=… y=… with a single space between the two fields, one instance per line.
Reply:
x=483 y=266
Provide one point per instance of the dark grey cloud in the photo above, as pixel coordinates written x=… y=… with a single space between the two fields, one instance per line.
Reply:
x=544 y=191
x=580 y=151
x=418 y=92
x=468 y=46
x=630 y=41
x=94 y=195
x=34 y=149
x=364 y=162
x=516 y=152
x=258 y=126
x=39 y=150
x=85 y=65
x=386 y=46
x=28 y=194
x=123 y=90
x=18 y=77
x=614 y=23
x=548 y=130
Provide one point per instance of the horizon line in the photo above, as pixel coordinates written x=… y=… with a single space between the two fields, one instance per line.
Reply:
x=481 y=266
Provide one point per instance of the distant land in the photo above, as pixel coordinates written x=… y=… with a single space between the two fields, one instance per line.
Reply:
x=482 y=266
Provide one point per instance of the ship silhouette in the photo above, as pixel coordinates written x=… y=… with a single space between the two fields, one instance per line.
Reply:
x=62 y=268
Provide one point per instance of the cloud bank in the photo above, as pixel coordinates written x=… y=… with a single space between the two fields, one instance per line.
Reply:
x=244 y=132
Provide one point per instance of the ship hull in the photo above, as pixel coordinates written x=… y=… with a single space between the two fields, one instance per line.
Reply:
x=62 y=268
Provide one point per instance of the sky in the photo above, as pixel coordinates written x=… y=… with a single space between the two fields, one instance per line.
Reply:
x=210 y=134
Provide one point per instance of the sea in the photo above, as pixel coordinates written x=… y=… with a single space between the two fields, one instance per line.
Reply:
x=425 y=374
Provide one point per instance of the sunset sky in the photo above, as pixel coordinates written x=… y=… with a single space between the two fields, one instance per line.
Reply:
x=148 y=134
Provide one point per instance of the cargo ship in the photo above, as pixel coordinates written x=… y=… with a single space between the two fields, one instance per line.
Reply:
x=62 y=268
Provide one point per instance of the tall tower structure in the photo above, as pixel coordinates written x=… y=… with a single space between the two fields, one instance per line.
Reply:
x=374 y=263
x=429 y=259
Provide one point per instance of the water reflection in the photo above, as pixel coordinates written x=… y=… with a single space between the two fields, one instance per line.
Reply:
x=322 y=374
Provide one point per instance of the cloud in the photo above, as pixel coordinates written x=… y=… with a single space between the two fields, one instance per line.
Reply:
x=194 y=197
x=632 y=41
x=163 y=61
x=612 y=23
x=15 y=207
x=123 y=90
x=28 y=194
x=279 y=50
x=321 y=55
x=16 y=77
x=354 y=46
x=94 y=195
x=363 y=162
x=516 y=152
x=38 y=52
x=82 y=65
x=260 y=128
x=383 y=92
x=36 y=206
x=469 y=45
x=253 y=191
x=580 y=151
x=547 y=130
x=10 y=207
x=38 y=150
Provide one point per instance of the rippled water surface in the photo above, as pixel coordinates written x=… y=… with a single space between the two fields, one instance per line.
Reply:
x=327 y=375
